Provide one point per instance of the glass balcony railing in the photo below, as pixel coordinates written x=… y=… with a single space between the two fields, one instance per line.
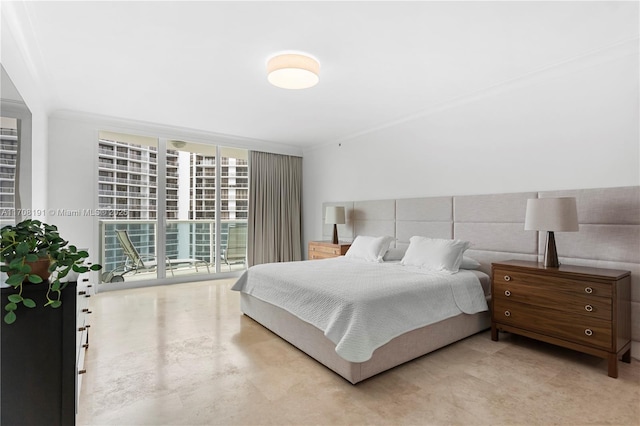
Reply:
x=190 y=248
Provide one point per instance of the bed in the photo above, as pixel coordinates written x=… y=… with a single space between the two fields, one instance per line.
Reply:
x=495 y=225
x=360 y=317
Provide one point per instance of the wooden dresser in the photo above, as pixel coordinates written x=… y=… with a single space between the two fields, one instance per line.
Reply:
x=84 y=290
x=326 y=249
x=585 y=309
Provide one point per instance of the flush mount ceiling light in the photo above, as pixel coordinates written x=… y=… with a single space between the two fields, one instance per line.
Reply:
x=293 y=71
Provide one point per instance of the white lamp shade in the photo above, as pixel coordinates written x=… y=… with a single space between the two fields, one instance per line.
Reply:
x=334 y=215
x=293 y=71
x=551 y=214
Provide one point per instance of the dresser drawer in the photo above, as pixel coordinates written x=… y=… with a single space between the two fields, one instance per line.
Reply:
x=567 y=285
x=550 y=297
x=324 y=249
x=321 y=255
x=581 y=329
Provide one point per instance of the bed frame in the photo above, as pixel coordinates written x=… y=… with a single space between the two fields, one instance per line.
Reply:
x=406 y=347
x=609 y=237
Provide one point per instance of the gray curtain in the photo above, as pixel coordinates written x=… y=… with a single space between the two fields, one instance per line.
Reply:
x=275 y=208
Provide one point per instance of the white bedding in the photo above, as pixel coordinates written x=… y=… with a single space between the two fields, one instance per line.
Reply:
x=361 y=305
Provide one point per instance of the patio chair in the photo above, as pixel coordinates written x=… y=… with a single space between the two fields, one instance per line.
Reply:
x=236 y=249
x=135 y=263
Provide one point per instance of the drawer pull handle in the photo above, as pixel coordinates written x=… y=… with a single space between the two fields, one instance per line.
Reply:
x=81 y=293
x=507 y=313
x=588 y=308
x=507 y=278
x=588 y=332
x=588 y=290
x=82 y=371
x=507 y=293
x=86 y=346
x=82 y=328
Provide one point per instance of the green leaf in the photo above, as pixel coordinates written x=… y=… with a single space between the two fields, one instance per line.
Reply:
x=31 y=257
x=16 y=263
x=15 y=298
x=10 y=307
x=29 y=303
x=25 y=269
x=35 y=279
x=55 y=286
x=56 y=304
x=22 y=249
x=15 y=279
x=10 y=318
x=95 y=267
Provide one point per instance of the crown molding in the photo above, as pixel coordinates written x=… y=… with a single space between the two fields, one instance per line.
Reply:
x=144 y=128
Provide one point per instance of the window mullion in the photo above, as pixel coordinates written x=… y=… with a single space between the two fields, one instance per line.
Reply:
x=218 y=224
x=161 y=209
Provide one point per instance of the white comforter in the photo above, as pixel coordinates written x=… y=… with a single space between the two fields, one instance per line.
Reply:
x=360 y=305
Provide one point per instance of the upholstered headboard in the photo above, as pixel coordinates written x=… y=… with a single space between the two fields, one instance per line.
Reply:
x=609 y=235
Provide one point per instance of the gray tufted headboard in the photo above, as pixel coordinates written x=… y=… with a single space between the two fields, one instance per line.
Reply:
x=609 y=235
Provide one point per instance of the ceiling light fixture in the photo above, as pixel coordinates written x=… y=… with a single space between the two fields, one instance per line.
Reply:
x=293 y=71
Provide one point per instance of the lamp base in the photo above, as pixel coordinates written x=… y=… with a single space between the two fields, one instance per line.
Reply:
x=335 y=234
x=550 y=254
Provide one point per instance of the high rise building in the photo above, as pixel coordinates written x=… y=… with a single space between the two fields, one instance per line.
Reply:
x=8 y=163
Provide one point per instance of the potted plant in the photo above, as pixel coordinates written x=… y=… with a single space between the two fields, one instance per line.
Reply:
x=33 y=252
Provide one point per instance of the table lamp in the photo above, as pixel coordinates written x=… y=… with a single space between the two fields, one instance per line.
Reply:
x=551 y=215
x=334 y=215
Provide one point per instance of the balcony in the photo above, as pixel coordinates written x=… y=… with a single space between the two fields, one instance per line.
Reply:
x=186 y=239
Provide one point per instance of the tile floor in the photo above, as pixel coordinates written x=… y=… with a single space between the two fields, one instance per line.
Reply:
x=184 y=355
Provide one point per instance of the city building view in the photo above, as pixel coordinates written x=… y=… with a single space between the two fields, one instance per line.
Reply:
x=128 y=185
x=8 y=160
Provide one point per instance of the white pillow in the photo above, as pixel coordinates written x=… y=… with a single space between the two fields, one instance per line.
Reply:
x=435 y=254
x=369 y=248
x=469 y=263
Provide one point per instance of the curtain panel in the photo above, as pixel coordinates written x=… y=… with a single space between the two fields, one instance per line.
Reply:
x=275 y=208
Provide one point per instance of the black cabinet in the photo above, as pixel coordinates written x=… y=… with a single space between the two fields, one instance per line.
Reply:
x=38 y=361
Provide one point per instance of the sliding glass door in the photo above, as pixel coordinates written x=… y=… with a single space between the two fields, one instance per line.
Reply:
x=195 y=194
x=128 y=206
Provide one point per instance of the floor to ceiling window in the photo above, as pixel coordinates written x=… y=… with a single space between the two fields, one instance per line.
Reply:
x=195 y=194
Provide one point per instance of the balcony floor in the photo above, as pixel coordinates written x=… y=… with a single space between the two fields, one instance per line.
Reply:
x=180 y=272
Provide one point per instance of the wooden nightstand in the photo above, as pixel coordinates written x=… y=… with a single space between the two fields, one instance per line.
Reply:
x=326 y=249
x=585 y=309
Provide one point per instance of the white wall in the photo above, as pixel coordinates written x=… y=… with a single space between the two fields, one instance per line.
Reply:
x=572 y=126
x=18 y=66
